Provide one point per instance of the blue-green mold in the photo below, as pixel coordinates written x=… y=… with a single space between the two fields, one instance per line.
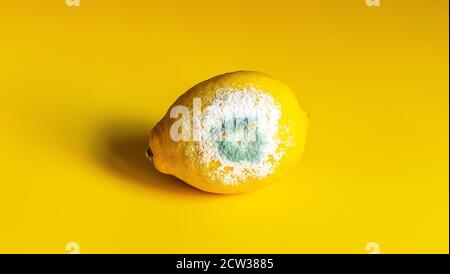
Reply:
x=249 y=150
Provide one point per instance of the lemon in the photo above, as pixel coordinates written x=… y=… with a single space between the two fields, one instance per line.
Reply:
x=232 y=133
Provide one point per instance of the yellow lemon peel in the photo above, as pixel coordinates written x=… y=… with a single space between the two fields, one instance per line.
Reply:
x=232 y=133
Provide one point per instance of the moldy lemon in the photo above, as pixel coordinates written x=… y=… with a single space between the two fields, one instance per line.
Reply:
x=232 y=133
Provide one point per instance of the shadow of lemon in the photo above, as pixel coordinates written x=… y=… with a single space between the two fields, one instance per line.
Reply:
x=123 y=148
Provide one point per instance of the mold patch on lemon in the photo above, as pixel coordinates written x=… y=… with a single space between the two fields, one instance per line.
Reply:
x=248 y=122
x=243 y=130
x=240 y=150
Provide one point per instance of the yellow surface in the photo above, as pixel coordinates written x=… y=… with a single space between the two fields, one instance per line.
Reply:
x=80 y=87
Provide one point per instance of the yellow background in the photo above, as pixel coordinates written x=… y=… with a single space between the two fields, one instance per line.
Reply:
x=80 y=88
